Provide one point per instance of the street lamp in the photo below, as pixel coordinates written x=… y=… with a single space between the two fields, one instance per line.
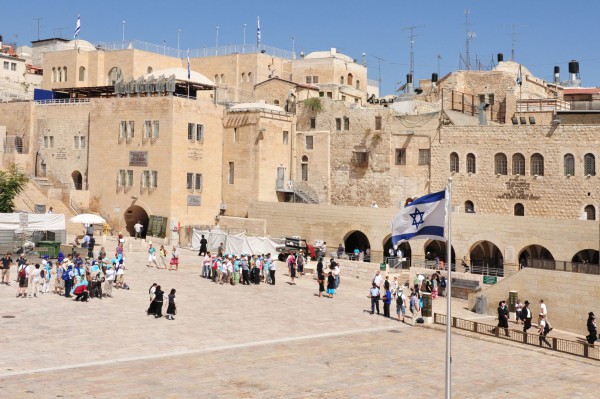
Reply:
x=244 y=46
x=123 y=37
x=178 y=33
x=217 y=47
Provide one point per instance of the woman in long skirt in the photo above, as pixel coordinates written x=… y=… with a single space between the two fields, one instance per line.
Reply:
x=171 y=309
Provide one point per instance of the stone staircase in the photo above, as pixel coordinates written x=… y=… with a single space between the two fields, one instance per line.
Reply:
x=33 y=194
x=304 y=192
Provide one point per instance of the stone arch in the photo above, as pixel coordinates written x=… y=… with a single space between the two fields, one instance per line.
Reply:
x=437 y=248
x=534 y=254
x=484 y=255
x=134 y=214
x=356 y=239
x=587 y=256
x=81 y=73
x=404 y=246
x=349 y=79
x=114 y=74
x=77 y=180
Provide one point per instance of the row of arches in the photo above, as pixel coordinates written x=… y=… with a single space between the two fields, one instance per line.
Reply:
x=59 y=74
x=348 y=80
x=536 y=164
x=481 y=254
x=246 y=77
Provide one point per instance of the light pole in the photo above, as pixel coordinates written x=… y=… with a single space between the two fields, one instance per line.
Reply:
x=217 y=47
x=123 y=36
x=293 y=47
x=178 y=33
x=244 y=46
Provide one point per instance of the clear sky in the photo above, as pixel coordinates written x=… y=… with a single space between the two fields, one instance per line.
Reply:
x=547 y=32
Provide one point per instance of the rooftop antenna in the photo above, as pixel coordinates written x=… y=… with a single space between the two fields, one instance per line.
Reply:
x=439 y=58
x=412 y=47
x=38 y=26
x=469 y=36
x=379 y=59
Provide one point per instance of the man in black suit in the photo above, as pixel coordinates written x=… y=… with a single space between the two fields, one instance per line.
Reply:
x=526 y=314
x=503 y=316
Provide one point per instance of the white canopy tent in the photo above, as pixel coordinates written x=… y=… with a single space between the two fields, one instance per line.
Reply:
x=234 y=243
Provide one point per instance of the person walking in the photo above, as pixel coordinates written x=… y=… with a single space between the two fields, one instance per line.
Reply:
x=330 y=285
x=108 y=282
x=414 y=306
x=138 y=229
x=400 y=304
x=162 y=257
x=503 y=316
x=90 y=247
x=519 y=311
x=543 y=331
x=592 y=329
x=174 y=259
x=387 y=300
x=543 y=311
x=203 y=249
x=171 y=308
x=151 y=256
x=336 y=275
x=272 y=268
x=527 y=316
x=321 y=281
x=6 y=264
x=35 y=280
x=157 y=303
x=292 y=268
x=374 y=295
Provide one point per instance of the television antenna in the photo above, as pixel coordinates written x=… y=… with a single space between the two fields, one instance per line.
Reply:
x=412 y=46
x=470 y=35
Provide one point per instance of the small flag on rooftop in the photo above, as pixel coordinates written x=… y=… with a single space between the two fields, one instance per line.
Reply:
x=77 y=27
x=520 y=76
x=258 y=31
x=188 y=60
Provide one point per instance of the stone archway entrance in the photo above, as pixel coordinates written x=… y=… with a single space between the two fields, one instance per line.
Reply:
x=404 y=246
x=77 y=180
x=134 y=214
x=437 y=248
x=535 y=255
x=586 y=256
x=357 y=239
x=486 y=258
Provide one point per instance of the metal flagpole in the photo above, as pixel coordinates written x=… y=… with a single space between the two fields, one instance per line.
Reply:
x=449 y=295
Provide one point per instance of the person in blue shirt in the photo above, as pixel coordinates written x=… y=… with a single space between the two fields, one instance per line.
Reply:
x=387 y=300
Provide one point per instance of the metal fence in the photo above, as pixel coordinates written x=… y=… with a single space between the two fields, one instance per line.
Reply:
x=576 y=348
x=564 y=266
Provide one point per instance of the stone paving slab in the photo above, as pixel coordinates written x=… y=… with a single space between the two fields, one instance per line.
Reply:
x=255 y=342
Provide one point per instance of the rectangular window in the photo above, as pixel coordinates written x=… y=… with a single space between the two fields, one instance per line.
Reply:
x=147 y=129
x=235 y=135
x=343 y=98
x=6 y=65
x=155 y=129
x=423 y=157
x=130 y=129
x=130 y=178
x=378 y=123
x=230 y=179
x=308 y=78
x=313 y=123
x=121 y=178
x=329 y=94
x=400 y=156
x=77 y=142
x=200 y=133
x=315 y=79
x=154 y=179
x=286 y=135
x=190 y=181
x=191 y=131
x=122 y=130
x=145 y=179
x=304 y=171
x=45 y=141
x=13 y=66
x=338 y=124
x=321 y=94
x=309 y=142
x=51 y=141
x=346 y=123
x=198 y=181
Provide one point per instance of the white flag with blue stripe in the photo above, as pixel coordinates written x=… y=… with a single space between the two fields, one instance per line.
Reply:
x=425 y=217
x=77 y=27
x=188 y=61
x=258 y=31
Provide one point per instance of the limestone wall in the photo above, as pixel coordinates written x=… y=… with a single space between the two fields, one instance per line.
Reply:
x=568 y=296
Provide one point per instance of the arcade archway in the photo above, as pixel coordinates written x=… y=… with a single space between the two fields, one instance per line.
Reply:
x=77 y=180
x=357 y=239
x=134 y=214
x=437 y=248
x=532 y=254
x=586 y=256
x=404 y=246
x=485 y=255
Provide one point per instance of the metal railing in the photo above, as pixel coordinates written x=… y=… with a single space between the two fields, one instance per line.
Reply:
x=196 y=53
x=564 y=266
x=74 y=207
x=58 y=101
x=476 y=267
x=539 y=105
x=557 y=344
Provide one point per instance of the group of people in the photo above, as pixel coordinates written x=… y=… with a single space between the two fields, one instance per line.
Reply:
x=160 y=260
x=524 y=316
x=394 y=292
x=239 y=269
x=157 y=298
x=333 y=277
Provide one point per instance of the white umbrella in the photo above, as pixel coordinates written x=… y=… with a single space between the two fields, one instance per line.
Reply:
x=88 y=218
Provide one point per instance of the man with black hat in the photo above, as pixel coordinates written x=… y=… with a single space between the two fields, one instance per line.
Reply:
x=526 y=314
x=592 y=328
x=503 y=316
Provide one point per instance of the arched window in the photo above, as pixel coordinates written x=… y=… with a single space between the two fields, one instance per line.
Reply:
x=501 y=164
x=222 y=78
x=589 y=165
x=275 y=102
x=590 y=212
x=304 y=167
x=249 y=76
x=243 y=77
x=216 y=79
x=519 y=210
x=53 y=79
x=341 y=80
x=149 y=69
x=471 y=166
x=537 y=165
x=569 y=165
x=81 y=73
x=358 y=84
x=518 y=164
x=469 y=207
x=65 y=73
x=114 y=75
x=454 y=163
x=59 y=74
x=349 y=79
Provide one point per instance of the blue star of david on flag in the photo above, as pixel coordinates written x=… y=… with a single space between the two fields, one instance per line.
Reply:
x=425 y=217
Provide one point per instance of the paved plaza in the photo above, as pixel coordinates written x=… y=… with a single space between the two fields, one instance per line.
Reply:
x=256 y=342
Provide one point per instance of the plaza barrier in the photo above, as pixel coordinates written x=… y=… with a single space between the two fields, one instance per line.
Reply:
x=576 y=348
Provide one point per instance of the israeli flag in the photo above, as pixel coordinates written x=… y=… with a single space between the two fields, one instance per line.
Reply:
x=520 y=77
x=77 y=27
x=258 y=31
x=425 y=217
x=188 y=60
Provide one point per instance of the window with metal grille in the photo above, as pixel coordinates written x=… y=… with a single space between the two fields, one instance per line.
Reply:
x=569 y=165
x=454 y=162
x=338 y=123
x=191 y=131
x=424 y=157
x=198 y=182
x=471 y=163
x=231 y=175
x=590 y=212
x=346 y=123
x=309 y=142
x=537 y=165
x=313 y=123
x=360 y=158
x=589 y=165
x=190 y=181
x=400 y=156
x=378 y=123
x=304 y=168
x=286 y=135
x=518 y=164
x=200 y=133
x=501 y=163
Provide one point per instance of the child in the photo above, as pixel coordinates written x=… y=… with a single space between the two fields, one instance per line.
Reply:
x=330 y=285
x=171 y=309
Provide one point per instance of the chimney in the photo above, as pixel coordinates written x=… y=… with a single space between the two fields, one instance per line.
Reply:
x=333 y=51
x=410 y=88
x=556 y=74
x=500 y=57
x=574 y=70
x=434 y=79
x=1 y=44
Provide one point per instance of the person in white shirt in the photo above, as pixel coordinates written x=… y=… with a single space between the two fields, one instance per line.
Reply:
x=206 y=266
x=543 y=311
x=377 y=279
x=108 y=282
x=138 y=229
x=34 y=281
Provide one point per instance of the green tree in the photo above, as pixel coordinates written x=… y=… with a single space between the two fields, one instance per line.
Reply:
x=12 y=182
x=314 y=104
